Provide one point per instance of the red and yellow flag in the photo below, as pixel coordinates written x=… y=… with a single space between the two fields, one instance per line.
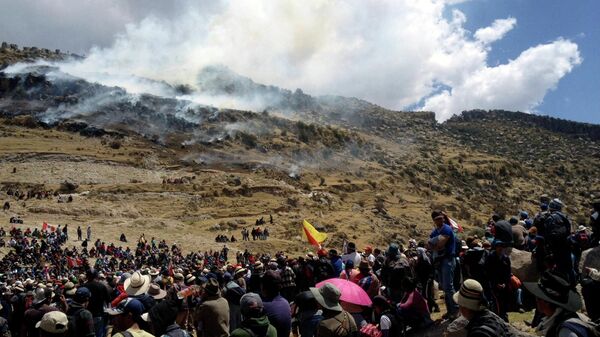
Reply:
x=313 y=236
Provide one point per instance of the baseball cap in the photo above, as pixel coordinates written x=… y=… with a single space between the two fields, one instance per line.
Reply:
x=82 y=294
x=55 y=322
x=130 y=306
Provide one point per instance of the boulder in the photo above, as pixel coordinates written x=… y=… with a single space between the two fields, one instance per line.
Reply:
x=447 y=328
x=523 y=267
x=590 y=258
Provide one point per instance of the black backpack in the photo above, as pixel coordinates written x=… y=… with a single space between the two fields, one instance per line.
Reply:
x=399 y=270
x=558 y=229
x=582 y=328
x=73 y=320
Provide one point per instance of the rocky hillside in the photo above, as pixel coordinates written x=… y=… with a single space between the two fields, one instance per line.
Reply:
x=356 y=170
x=11 y=53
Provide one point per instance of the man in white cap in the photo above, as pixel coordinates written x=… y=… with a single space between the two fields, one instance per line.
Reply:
x=472 y=306
x=40 y=306
x=54 y=323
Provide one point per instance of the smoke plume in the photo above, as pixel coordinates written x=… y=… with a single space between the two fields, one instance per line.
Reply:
x=396 y=53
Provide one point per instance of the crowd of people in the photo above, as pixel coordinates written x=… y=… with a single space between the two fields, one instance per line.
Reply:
x=154 y=289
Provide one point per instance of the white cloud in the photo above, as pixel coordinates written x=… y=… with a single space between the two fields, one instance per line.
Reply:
x=496 y=31
x=520 y=84
x=394 y=53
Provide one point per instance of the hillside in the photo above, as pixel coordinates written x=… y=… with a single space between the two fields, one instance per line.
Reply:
x=163 y=164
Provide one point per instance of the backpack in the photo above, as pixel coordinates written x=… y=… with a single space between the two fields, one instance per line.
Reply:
x=345 y=329
x=423 y=268
x=558 y=229
x=398 y=270
x=234 y=294
x=177 y=333
x=73 y=320
x=581 y=327
x=365 y=282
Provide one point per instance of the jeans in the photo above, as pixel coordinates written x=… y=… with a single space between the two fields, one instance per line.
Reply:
x=446 y=279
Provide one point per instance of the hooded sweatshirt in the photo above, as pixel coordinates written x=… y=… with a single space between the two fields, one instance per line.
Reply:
x=259 y=326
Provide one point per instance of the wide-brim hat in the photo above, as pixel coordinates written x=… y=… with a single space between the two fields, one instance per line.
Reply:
x=364 y=265
x=328 y=296
x=239 y=270
x=156 y=292
x=470 y=295
x=70 y=288
x=137 y=284
x=212 y=287
x=189 y=279
x=40 y=296
x=555 y=289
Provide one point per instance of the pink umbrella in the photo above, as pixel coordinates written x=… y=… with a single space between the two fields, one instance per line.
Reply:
x=351 y=292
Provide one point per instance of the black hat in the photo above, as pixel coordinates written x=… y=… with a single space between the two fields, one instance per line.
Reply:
x=554 y=288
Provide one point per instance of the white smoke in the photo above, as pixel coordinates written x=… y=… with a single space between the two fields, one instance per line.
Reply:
x=396 y=53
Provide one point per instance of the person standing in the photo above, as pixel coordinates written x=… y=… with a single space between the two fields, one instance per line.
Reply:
x=212 y=316
x=557 y=230
x=81 y=321
x=39 y=307
x=336 y=322
x=79 y=233
x=89 y=232
x=498 y=273
x=255 y=321
x=441 y=242
x=519 y=234
x=276 y=307
x=99 y=298
x=127 y=319
x=162 y=320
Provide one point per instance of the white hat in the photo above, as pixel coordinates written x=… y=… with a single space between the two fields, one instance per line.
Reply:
x=54 y=322
x=470 y=295
x=137 y=284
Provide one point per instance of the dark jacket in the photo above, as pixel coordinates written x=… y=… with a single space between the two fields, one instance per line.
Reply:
x=100 y=297
x=487 y=324
x=255 y=327
x=81 y=321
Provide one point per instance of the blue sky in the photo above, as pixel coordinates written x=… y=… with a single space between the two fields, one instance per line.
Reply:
x=577 y=95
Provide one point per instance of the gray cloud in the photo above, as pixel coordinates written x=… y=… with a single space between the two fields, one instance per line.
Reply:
x=78 y=25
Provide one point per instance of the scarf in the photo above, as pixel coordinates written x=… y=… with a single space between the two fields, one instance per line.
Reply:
x=548 y=322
